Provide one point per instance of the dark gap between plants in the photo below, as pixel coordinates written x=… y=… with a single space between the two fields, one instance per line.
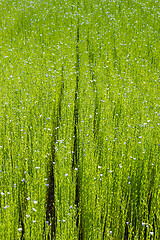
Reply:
x=50 y=209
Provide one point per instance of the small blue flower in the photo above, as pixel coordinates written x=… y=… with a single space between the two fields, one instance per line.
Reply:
x=5 y=207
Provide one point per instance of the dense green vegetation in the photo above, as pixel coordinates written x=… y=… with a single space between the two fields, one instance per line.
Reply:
x=79 y=119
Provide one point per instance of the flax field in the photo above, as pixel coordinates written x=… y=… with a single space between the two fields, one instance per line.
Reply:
x=80 y=120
